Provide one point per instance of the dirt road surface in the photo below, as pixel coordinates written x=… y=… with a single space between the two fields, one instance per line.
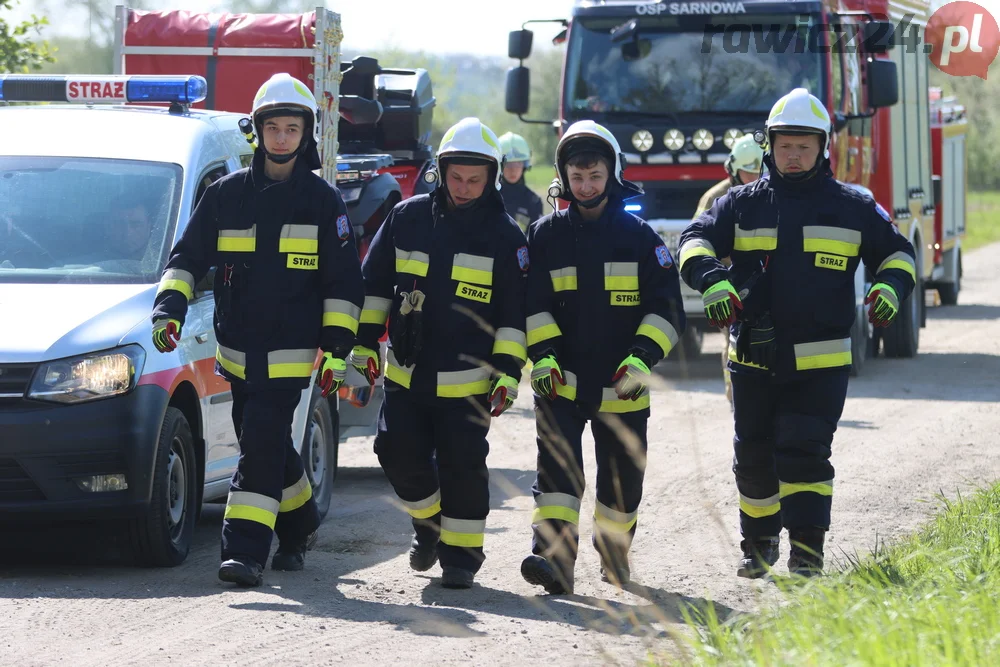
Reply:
x=911 y=429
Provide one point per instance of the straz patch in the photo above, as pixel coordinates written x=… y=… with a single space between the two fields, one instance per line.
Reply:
x=831 y=262
x=884 y=213
x=474 y=292
x=522 y=258
x=307 y=262
x=343 y=227
x=625 y=299
x=663 y=257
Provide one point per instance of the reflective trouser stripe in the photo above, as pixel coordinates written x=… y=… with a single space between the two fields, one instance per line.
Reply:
x=621 y=276
x=542 y=326
x=412 y=262
x=611 y=403
x=299 y=239
x=395 y=372
x=898 y=260
x=459 y=384
x=233 y=361
x=423 y=509
x=563 y=279
x=341 y=313
x=823 y=354
x=179 y=280
x=760 y=507
x=291 y=363
x=375 y=310
x=252 y=507
x=613 y=521
x=558 y=506
x=472 y=269
x=821 y=488
x=296 y=495
x=755 y=239
x=836 y=240
x=463 y=532
x=237 y=240
x=660 y=331
x=511 y=341
x=696 y=248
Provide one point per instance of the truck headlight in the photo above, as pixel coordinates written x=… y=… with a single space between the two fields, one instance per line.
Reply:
x=642 y=140
x=730 y=137
x=673 y=139
x=703 y=139
x=88 y=377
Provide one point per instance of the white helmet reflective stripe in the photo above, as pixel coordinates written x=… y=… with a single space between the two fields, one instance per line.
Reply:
x=471 y=137
x=515 y=148
x=284 y=91
x=802 y=112
x=745 y=155
x=588 y=128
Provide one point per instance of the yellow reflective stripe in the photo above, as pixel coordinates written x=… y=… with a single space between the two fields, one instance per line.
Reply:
x=899 y=260
x=252 y=507
x=567 y=391
x=563 y=279
x=612 y=520
x=291 y=363
x=178 y=280
x=423 y=509
x=835 y=240
x=695 y=248
x=463 y=532
x=412 y=262
x=611 y=403
x=822 y=488
x=395 y=372
x=823 y=354
x=621 y=276
x=299 y=239
x=375 y=310
x=233 y=361
x=758 y=508
x=660 y=331
x=509 y=340
x=341 y=313
x=541 y=326
x=755 y=239
x=237 y=240
x=472 y=269
x=558 y=506
x=296 y=495
x=459 y=384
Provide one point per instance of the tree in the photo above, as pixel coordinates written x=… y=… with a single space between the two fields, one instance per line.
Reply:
x=19 y=49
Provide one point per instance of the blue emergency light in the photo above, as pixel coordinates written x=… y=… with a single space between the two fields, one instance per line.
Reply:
x=102 y=89
x=632 y=208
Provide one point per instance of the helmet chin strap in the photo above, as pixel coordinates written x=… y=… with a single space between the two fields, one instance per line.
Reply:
x=593 y=202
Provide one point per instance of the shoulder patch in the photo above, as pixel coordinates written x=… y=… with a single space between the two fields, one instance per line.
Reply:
x=882 y=212
x=663 y=256
x=343 y=227
x=522 y=257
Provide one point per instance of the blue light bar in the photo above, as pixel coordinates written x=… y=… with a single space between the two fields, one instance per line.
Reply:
x=102 y=89
x=632 y=208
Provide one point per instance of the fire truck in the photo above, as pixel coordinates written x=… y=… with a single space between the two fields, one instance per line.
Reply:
x=678 y=82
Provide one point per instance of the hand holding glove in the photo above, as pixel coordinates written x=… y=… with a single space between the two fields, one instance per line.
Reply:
x=544 y=376
x=632 y=378
x=722 y=304
x=756 y=344
x=332 y=372
x=502 y=395
x=883 y=304
x=366 y=361
x=166 y=334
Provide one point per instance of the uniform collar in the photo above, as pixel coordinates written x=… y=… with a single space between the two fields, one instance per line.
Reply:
x=808 y=186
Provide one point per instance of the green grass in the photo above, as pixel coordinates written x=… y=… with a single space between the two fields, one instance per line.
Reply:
x=928 y=600
x=983 y=224
x=539 y=177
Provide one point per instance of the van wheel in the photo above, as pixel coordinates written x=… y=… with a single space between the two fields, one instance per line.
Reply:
x=320 y=445
x=902 y=337
x=860 y=342
x=949 y=291
x=162 y=537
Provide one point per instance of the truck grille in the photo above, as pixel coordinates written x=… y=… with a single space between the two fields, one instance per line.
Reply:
x=14 y=379
x=16 y=485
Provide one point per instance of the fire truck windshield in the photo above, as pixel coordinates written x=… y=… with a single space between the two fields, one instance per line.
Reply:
x=672 y=65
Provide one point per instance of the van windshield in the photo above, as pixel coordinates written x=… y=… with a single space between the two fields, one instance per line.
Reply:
x=86 y=220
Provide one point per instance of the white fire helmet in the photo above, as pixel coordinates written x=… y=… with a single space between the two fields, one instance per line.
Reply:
x=470 y=138
x=798 y=112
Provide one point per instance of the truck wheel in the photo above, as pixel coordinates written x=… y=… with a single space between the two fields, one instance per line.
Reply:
x=902 y=337
x=689 y=346
x=860 y=342
x=949 y=291
x=162 y=537
x=320 y=445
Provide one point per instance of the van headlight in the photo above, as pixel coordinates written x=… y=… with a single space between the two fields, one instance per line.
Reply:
x=88 y=377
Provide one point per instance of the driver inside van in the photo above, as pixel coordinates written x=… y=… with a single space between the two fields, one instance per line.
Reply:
x=128 y=229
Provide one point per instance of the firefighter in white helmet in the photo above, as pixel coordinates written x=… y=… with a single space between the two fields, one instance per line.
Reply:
x=522 y=204
x=447 y=270
x=604 y=306
x=288 y=282
x=795 y=239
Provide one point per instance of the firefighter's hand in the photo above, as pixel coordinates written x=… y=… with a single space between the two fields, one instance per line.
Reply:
x=722 y=304
x=544 y=376
x=883 y=304
x=502 y=395
x=366 y=361
x=166 y=334
x=632 y=378
x=756 y=344
x=332 y=373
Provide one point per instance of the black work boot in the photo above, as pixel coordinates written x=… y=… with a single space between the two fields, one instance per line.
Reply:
x=616 y=574
x=291 y=556
x=540 y=571
x=759 y=556
x=423 y=548
x=806 y=558
x=243 y=571
x=456 y=577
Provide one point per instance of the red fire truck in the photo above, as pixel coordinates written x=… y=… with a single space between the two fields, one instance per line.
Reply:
x=678 y=82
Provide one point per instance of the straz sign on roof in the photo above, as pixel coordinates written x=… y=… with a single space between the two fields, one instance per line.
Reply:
x=96 y=89
x=682 y=8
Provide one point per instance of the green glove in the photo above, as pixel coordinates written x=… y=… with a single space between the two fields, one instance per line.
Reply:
x=166 y=334
x=544 y=376
x=722 y=304
x=332 y=373
x=366 y=361
x=632 y=378
x=502 y=395
x=883 y=304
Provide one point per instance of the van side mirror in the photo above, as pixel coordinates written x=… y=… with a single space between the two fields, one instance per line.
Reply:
x=519 y=44
x=883 y=83
x=518 y=90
